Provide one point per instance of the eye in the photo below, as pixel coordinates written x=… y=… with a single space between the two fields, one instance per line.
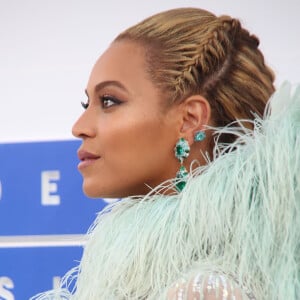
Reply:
x=109 y=101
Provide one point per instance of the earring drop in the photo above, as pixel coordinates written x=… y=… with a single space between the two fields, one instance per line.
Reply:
x=182 y=151
x=199 y=136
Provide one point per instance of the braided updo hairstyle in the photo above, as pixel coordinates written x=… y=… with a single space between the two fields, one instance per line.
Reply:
x=191 y=51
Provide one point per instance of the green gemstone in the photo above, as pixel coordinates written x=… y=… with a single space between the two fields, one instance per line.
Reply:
x=180 y=172
x=180 y=186
x=182 y=149
x=181 y=177
x=179 y=150
x=199 y=136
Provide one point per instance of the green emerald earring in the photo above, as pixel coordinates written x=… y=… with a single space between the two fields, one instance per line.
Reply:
x=182 y=151
x=199 y=136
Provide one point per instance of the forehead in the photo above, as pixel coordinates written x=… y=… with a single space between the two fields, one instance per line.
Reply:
x=123 y=61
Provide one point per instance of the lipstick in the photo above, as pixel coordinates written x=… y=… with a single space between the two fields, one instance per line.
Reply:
x=86 y=159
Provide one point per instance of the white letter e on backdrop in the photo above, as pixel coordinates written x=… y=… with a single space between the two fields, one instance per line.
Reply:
x=48 y=187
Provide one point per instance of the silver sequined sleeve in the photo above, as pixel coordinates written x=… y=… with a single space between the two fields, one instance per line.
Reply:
x=207 y=287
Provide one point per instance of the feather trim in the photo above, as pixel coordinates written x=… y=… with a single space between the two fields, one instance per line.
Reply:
x=239 y=215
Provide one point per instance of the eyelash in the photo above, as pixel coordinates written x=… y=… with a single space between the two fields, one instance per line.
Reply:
x=112 y=99
x=85 y=105
x=104 y=98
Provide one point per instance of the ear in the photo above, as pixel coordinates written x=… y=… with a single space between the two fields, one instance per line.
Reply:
x=196 y=113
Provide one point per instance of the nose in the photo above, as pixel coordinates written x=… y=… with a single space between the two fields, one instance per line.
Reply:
x=84 y=126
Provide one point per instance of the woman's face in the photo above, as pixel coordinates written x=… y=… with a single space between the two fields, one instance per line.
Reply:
x=127 y=137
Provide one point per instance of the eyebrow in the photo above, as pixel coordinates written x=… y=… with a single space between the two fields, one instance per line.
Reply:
x=104 y=84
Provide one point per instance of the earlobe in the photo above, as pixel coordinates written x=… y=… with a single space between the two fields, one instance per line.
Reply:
x=196 y=115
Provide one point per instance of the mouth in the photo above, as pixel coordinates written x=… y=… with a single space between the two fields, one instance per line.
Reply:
x=86 y=159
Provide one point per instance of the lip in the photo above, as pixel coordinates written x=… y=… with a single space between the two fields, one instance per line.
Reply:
x=86 y=159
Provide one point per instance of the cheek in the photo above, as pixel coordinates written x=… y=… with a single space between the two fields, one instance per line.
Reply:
x=136 y=143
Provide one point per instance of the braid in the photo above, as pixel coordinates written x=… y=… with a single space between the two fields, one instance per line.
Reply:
x=210 y=58
x=191 y=51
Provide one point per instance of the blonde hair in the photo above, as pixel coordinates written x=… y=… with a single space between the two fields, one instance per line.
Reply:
x=191 y=51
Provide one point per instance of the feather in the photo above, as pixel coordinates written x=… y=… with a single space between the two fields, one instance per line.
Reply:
x=239 y=214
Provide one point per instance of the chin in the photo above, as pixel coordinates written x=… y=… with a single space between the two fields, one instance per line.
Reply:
x=95 y=191
x=91 y=190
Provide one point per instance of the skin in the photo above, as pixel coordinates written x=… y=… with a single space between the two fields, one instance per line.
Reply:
x=126 y=129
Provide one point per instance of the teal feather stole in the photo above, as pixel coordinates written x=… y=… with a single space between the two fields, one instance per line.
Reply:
x=240 y=215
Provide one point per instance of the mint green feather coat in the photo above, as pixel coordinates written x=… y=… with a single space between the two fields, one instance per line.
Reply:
x=239 y=216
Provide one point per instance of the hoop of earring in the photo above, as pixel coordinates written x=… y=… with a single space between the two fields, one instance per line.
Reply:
x=182 y=151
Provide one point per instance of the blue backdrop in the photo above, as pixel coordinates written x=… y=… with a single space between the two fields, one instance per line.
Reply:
x=40 y=195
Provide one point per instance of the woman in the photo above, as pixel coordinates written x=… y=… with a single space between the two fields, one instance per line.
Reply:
x=206 y=213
